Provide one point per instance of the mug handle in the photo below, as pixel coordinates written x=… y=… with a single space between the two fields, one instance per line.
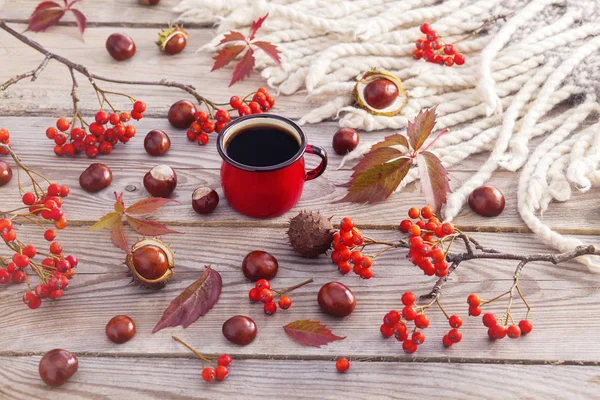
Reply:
x=319 y=151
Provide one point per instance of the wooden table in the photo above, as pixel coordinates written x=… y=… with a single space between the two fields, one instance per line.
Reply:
x=558 y=360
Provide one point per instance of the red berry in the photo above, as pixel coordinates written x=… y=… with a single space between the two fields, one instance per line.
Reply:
x=449 y=49
x=244 y=110
x=455 y=321
x=513 y=331
x=418 y=337
x=473 y=300
x=346 y=224
x=51 y=132
x=139 y=106
x=224 y=360
x=222 y=116
x=63 y=124
x=356 y=257
x=115 y=119
x=475 y=311
x=29 y=251
x=526 y=326
x=344 y=267
x=392 y=318
x=409 y=313
x=28 y=198
x=270 y=308
x=254 y=294
x=55 y=294
x=409 y=346
x=266 y=296
x=447 y=342
x=455 y=335
x=203 y=138
x=208 y=127
x=56 y=248
x=417 y=54
x=342 y=364
x=414 y=230
x=426 y=212
x=489 y=319
x=366 y=273
x=102 y=117
x=221 y=372
x=498 y=331
x=137 y=115
x=4 y=276
x=366 y=262
x=408 y=298
x=262 y=284
x=235 y=102
x=32 y=300
x=405 y=225
x=425 y=28
x=414 y=213
x=387 y=331
x=60 y=139
x=422 y=321
x=208 y=374
x=401 y=332
x=432 y=35
x=18 y=277
x=459 y=59
x=448 y=228
x=285 y=302
x=91 y=152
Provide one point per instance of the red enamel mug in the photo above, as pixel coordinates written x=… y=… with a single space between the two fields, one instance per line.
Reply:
x=262 y=174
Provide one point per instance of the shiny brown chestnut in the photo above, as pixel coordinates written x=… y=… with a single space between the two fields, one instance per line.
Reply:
x=487 y=201
x=205 y=200
x=336 y=299
x=181 y=114
x=157 y=142
x=120 y=329
x=5 y=173
x=259 y=265
x=381 y=93
x=151 y=263
x=120 y=46
x=239 y=330
x=160 y=181
x=57 y=366
x=345 y=140
x=95 y=178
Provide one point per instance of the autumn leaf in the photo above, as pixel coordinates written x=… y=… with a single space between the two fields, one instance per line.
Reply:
x=149 y=205
x=48 y=13
x=375 y=158
x=195 y=301
x=106 y=222
x=256 y=26
x=232 y=36
x=119 y=203
x=270 y=49
x=149 y=228
x=377 y=183
x=118 y=237
x=434 y=180
x=392 y=140
x=226 y=55
x=243 y=68
x=421 y=127
x=310 y=333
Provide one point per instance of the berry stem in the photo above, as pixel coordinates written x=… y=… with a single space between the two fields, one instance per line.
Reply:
x=289 y=289
x=439 y=304
x=190 y=348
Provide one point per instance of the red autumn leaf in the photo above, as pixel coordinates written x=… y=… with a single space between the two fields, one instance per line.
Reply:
x=420 y=129
x=434 y=180
x=310 y=333
x=377 y=183
x=195 y=301
x=375 y=158
x=243 y=68
x=392 y=140
x=232 y=36
x=118 y=237
x=271 y=50
x=46 y=14
x=226 y=55
x=149 y=205
x=119 y=203
x=106 y=222
x=149 y=228
x=79 y=19
x=256 y=26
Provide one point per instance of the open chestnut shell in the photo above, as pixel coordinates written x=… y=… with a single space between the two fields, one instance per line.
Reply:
x=151 y=263
x=380 y=93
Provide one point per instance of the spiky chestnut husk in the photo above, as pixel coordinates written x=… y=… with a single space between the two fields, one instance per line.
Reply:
x=379 y=74
x=310 y=233
x=167 y=34
x=151 y=282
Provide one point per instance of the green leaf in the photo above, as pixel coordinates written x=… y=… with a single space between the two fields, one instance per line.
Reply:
x=149 y=228
x=106 y=222
x=149 y=205
x=376 y=157
x=434 y=180
x=392 y=140
x=118 y=237
x=420 y=129
x=310 y=333
x=377 y=183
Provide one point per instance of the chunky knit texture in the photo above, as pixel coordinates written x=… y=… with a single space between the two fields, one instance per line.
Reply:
x=535 y=74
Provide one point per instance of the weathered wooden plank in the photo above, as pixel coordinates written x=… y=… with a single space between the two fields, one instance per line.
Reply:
x=109 y=12
x=148 y=378
x=564 y=300
x=51 y=91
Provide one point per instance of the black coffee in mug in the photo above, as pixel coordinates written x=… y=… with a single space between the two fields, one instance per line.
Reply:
x=262 y=145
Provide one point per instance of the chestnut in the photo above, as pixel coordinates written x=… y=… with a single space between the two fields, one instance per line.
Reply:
x=205 y=200
x=487 y=201
x=336 y=299
x=259 y=265
x=120 y=329
x=381 y=93
x=120 y=46
x=5 y=173
x=345 y=140
x=157 y=142
x=160 y=181
x=57 y=366
x=95 y=178
x=150 y=263
x=181 y=114
x=239 y=330
x=172 y=40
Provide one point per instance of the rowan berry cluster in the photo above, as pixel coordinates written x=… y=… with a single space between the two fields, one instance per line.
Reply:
x=101 y=136
x=215 y=372
x=432 y=49
x=262 y=292
x=56 y=269
x=498 y=328
x=426 y=251
x=204 y=123
x=4 y=139
x=348 y=244
x=395 y=324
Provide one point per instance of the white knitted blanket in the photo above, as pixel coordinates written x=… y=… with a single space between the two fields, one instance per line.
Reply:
x=537 y=74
